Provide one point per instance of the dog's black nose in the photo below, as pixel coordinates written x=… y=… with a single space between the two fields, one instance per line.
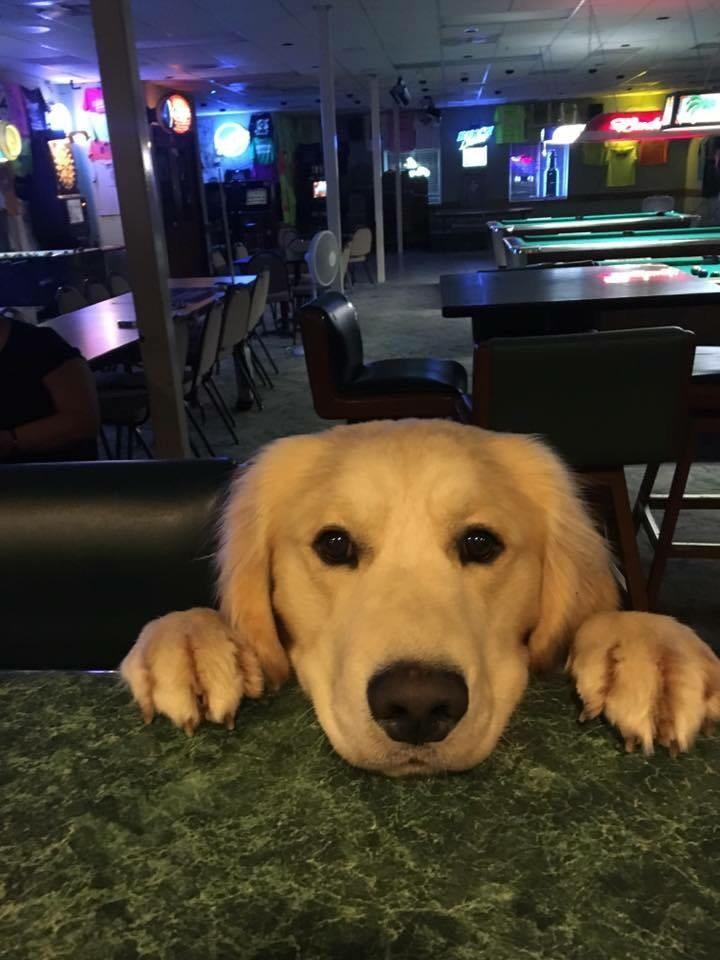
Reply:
x=417 y=703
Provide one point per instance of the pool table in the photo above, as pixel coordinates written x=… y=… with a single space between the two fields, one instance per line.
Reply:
x=592 y=223
x=588 y=246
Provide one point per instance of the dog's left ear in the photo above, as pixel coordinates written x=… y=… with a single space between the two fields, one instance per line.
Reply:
x=577 y=579
x=255 y=505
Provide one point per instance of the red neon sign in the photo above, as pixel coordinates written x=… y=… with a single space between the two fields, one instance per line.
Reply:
x=622 y=124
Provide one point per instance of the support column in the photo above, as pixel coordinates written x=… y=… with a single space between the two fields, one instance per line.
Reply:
x=329 y=129
x=376 y=139
x=141 y=220
x=398 y=182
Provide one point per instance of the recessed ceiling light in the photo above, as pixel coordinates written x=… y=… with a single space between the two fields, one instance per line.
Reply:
x=509 y=71
x=470 y=30
x=592 y=70
x=41 y=4
x=662 y=18
x=203 y=104
x=213 y=90
x=467 y=56
x=222 y=109
x=620 y=76
x=498 y=92
x=463 y=79
x=29 y=28
x=624 y=44
x=287 y=43
x=283 y=103
x=317 y=100
x=350 y=96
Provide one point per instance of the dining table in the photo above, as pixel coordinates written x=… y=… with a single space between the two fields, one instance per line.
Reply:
x=103 y=331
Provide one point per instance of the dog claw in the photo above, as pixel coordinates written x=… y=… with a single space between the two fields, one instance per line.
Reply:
x=148 y=715
x=229 y=721
x=630 y=744
x=587 y=714
x=189 y=727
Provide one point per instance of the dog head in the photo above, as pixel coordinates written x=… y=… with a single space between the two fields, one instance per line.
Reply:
x=411 y=573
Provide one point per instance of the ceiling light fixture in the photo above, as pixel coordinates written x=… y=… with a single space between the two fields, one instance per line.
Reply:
x=470 y=30
x=287 y=43
x=509 y=71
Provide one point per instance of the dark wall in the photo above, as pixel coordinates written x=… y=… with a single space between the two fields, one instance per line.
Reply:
x=488 y=187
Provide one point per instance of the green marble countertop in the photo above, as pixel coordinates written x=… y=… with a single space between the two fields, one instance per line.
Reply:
x=121 y=841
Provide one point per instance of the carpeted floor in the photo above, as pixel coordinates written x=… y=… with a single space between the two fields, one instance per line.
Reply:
x=403 y=318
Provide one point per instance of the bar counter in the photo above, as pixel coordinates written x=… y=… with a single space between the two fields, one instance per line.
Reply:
x=121 y=841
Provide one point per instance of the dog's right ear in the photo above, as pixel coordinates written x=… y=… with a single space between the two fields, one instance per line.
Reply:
x=245 y=580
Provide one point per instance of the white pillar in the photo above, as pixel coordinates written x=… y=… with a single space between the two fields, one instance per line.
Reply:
x=376 y=139
x=141 y=220
x=398 y=182
x=329 y=129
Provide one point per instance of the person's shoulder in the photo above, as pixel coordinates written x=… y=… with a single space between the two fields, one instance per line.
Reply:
x=46 y=344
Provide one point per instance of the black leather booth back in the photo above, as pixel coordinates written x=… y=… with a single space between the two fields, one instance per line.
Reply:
x=345 y=339
x=600 y=399
x=90 y=552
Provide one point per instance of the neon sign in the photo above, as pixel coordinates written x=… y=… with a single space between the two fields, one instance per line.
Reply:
x=10 y=142
x=231 y=139
x=630 y=274
x=415 y=169
x=632 y=124
x=475 y=137
x=174 y=113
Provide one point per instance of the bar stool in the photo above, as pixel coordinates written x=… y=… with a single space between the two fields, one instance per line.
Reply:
x=704 y=422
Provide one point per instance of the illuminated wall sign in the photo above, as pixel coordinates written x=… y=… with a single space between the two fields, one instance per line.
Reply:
x=174 y=113
x=415 y=169
x=634 y=125
x=59 y=118
x=10 y=142
x=475 y=137
x=565 y=133
x=698 y=109
x=475 y=156
x=231 y=139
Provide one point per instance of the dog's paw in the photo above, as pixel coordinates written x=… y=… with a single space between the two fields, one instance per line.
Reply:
x=652 y=677
x=190 y=667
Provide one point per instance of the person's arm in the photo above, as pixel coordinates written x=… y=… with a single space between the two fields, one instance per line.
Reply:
x=76 y=417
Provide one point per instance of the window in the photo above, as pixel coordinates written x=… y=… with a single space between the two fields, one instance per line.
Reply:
x=420 y=163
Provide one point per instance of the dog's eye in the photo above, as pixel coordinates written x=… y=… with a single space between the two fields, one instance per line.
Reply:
x=335 y=547
x=479 y=545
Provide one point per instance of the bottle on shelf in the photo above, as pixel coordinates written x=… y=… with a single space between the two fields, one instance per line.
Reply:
x=551 y=176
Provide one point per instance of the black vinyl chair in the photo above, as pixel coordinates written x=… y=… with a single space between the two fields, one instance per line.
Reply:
x=345 y=387
x=90 y=552
x=603 y=401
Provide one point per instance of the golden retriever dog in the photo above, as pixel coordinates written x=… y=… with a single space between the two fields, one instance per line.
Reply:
x=412 y=575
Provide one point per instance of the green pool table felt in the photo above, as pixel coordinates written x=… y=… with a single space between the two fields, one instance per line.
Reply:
x=531 y=222
x=619 y=237
x=121 y=841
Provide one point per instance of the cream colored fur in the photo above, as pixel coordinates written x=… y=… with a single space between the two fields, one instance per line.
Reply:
x=405 y=491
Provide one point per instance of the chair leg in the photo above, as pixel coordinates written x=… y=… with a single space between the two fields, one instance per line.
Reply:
x=130 y=444
x=627 y=541
x=220 y=413
x=141 y=441
x=118 y=443
x=242 y=372
x=221 y=400
x=200 y=432
x=266 y=351
x=646 y=487
x=664 y=544
x=258 y=366
x=105 y=445
x=370 y=277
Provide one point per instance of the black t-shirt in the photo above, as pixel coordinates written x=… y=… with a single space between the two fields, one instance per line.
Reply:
x=29 y=355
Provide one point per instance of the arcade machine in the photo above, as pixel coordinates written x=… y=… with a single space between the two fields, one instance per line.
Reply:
x=58 y=211
x=253 y=210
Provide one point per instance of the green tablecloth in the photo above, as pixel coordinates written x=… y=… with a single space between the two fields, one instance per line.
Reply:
x=122 y=841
